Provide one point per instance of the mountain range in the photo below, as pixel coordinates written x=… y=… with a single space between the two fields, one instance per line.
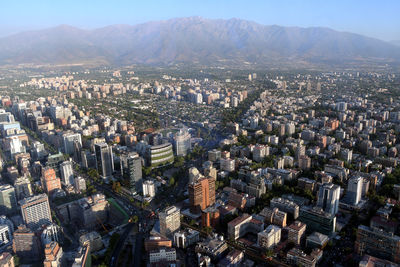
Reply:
x=196 y=40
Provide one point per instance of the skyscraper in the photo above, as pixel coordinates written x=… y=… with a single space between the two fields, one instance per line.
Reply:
x=36 y=211
x=23 y=188
x=354 y=190
x=328 y=198
x=104 y=160
x=69 y=141
x=8 y=201
x=182 y=142
x=149 y=188
x=170 y=220
x=132 y=169
x=201 y=194
x=67 y=173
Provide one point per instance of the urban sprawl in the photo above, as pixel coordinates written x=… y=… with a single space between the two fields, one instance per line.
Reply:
x=213 y=167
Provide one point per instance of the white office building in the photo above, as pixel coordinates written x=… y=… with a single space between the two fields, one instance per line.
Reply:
x=6 y=231
x=270 y=237
x=67 y=173
x=149 y=188
x=354 y=190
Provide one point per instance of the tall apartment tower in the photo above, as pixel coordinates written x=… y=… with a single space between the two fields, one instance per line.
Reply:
x=354 y=190
x=67 y=173
x=36 y=211
x=69 y=141
x=49 y=181
x=201 y=194
x=26 y=244
x=104 y=160
x=8 y=201
x=170 y=220
x=328 y=198
x=132 y=169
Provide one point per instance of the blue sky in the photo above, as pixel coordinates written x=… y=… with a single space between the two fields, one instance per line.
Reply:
x=375 y=18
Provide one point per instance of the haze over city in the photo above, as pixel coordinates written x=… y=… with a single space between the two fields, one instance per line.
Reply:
x=199 y=133
x=370 y=18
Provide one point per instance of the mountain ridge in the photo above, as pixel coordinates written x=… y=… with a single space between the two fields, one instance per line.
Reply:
x=195 y=40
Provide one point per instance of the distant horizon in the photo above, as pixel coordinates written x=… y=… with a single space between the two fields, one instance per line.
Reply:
x=150 y=21
x=369 y=18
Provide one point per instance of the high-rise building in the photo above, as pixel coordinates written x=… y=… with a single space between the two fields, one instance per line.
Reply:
x=38 y=150
x=80 y=184
x=354 y=190
x=53 y=255
x=309 y=86
x=318 y=220
x=214 y=155
x=36 y=211
x=296 y=231
x=15 y=145
x=270 y=237
x=170 y=220
x=69 y=141
x=185 y=238
x=182 y=142
x=104 y=160
x=56 y=112
x=50 y=233
x=259 y=152
x=8 y=201
x=54 y=161
x=26 y=244
x=304 y=162
x=318 y=86
x=6 y=232
x=149 y=188
x=227 y=164
x=347 y=155
x=377 y=242
x=274 y=216
x=202 y=194
x=290 y=128
x=49 y=181
x=67 y=173
x=132 y=169
x=328 y=198
x=341 y=106
x=23 y=188
x=300 y=151
x=210 y=171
